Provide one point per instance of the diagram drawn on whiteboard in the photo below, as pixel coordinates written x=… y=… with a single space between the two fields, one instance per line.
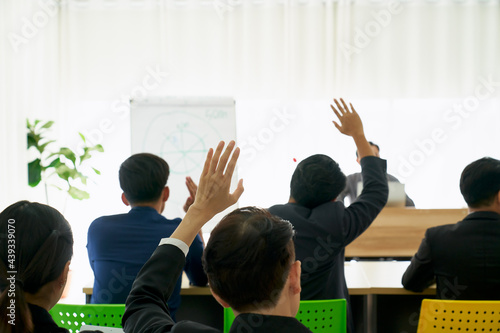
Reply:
x=184 y=143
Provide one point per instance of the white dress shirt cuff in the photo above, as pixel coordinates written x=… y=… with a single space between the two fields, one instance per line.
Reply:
x=176 y=242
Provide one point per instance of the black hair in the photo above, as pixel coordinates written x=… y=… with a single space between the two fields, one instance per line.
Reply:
x=143 y=177
x=36 y=244
x=248 y=258
x=480 y=182
x=316 y=180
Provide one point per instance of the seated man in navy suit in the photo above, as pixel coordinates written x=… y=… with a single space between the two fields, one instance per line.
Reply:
x=118 y=245
x=249 y=260
x=464 y=258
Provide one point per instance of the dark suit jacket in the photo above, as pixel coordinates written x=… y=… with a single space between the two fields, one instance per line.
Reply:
x=146 y=308
x=463 y=259
x=322 y=233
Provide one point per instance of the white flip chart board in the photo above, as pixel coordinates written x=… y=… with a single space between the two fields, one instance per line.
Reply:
x=181 y=130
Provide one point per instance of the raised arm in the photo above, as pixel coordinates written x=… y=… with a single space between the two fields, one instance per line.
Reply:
x=213 y=194
x=361 y=213
x=146 y=307
x=351 y=125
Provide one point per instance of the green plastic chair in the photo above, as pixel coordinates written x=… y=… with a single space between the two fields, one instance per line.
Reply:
x=73 y=316
x=319 y=316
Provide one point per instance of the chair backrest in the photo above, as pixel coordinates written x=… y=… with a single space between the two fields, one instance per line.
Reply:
x=319 y=316
x=459 y=316
x=73 y=316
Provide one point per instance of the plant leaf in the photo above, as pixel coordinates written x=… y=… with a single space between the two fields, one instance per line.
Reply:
x=47 y=124
x=98 y=148
x=54 y=164
x=83 y=137
x=65 y=172
x=96 y=171
x=42 y=147
x=34 y=173
x=86 y=152
x=77 y=193
x=32 y=140
x=68 y=153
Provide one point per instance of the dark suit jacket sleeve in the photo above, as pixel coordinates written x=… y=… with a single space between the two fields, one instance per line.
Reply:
x=146 y=307
x=361 y=213
x=194 y=268
x=420 y=274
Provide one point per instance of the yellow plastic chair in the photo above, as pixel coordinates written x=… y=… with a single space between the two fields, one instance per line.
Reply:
x=459 y=316
x=73 y=316
x=319 y=316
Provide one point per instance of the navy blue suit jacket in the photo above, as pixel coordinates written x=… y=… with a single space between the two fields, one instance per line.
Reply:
x=119 y=245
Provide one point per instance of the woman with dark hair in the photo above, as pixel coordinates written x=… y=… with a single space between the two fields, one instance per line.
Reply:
x=36 y=246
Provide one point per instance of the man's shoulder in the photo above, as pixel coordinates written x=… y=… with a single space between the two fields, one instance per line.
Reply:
x=444 y=230
x=286 y=209
x=108 y=219
x=291 y=210
x=354 y=175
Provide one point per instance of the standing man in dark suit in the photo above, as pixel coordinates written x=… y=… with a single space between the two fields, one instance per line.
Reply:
x=324 y=227
x=464 y=258
x=351 y=189
x=249 y=260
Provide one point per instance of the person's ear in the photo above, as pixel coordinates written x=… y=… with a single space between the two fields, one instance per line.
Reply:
x=220 y=300
x=166 y=194
x=124 y=200
x=294 y=277
x=63 y=278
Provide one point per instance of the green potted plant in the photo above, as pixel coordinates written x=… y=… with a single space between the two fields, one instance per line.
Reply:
x=61 y=168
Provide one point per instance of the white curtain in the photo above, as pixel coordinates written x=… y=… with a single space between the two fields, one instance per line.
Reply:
x=284 y=49
x=29 y=74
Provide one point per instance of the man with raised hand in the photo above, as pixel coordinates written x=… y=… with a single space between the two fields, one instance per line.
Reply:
x=249 y=260
x=324 y=226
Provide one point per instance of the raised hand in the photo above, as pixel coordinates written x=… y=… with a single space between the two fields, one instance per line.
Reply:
x=350 y=122
x=213 y=194
x=192 y=188
x=351 y=125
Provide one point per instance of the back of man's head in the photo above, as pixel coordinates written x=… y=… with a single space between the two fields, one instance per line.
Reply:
x=143 y=177
x=316 y=180
x=480 y=182
x=248 y=258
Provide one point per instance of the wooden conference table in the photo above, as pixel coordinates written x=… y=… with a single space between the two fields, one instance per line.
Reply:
x=376 y=284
